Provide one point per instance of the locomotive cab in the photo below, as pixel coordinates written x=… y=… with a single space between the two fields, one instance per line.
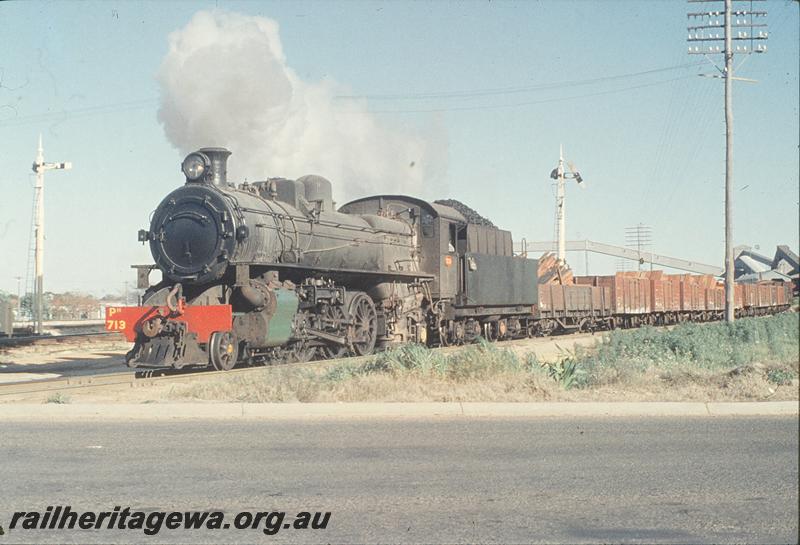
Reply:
x=479 y=287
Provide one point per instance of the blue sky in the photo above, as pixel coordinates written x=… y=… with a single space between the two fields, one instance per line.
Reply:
x=500 y=83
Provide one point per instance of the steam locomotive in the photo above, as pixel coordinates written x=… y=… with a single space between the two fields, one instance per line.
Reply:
x=270 y=271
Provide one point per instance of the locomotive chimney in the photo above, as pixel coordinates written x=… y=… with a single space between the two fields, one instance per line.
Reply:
x=219 y=165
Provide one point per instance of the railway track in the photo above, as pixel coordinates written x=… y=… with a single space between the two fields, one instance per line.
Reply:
x=150 y=377
x=66 y=338
x=131 y=378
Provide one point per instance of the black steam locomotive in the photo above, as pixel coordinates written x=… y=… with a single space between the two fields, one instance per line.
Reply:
x=270 y=271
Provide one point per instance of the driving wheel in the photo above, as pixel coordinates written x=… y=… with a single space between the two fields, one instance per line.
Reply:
x=365 y=324
x=223 y=350
x=333 y=319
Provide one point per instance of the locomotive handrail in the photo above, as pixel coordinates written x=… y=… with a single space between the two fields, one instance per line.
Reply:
x=332 y=248
x=335 y=237
x=326 y=223
x=397 y=274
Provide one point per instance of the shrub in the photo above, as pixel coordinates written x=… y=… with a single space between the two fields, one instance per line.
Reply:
x=58 y=398
x=714 y=346
x=780 y=376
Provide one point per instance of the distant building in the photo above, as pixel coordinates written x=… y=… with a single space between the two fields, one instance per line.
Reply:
x=786 y=262
x=751 y=266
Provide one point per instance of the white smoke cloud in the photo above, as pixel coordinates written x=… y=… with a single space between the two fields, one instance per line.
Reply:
x=225 y=82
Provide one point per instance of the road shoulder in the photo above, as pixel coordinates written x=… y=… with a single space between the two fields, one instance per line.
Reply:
x=266 y=411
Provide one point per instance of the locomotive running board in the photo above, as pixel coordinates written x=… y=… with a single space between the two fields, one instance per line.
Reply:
x=400 y=275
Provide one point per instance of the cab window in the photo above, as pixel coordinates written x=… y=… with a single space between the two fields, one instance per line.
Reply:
x=427 y=225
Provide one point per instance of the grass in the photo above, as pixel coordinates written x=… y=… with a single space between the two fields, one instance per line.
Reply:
x=701 y=349
x=473 y=362
x=749 y=359
x=58 y=398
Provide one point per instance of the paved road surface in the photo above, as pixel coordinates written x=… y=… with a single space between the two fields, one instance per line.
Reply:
x=664 y=480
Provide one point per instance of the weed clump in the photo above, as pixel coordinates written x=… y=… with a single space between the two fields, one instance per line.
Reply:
x=692 y=348
x=58 y=398
x=481 y=360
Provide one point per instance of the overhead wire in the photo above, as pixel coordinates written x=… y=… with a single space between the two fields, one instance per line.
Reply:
x=666 y=130
x=60 y=115
x=510 y=90
x=685 y=159
x=667 y=162
x=65 y=114
x=526 y=103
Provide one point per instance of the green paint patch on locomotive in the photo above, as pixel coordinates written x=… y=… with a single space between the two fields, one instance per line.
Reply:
x=278 y=330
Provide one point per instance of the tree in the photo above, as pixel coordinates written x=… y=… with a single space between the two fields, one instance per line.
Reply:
x=74 y=306
x=28 y=304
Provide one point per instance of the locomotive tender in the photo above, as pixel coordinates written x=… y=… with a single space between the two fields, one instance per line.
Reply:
x=270 y=271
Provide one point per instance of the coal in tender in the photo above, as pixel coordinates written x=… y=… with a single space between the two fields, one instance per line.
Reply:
x=469 y=214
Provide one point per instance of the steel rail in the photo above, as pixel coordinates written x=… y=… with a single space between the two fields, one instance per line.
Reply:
x=150 y=377
x=52 y=339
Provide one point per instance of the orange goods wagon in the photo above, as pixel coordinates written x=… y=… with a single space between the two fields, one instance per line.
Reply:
x=715 y=297
x=691 y=292
x=562 y=299
x=672 y=294
x=664 y=292
x=750 y=295
x=764 y=295
x=658 y=290
x=719 y=294
x=784 y=295
x=630 y=291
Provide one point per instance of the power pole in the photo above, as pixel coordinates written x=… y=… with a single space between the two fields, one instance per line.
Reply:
x=39 y=166
x=730 y=309
x=705 y=32
x=639 y=238
x=560 y=176
x=19 y=298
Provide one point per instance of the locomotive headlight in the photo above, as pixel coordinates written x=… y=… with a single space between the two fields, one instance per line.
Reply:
x=195 y=166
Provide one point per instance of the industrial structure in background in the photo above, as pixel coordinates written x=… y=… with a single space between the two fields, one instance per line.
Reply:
x=704 y=39
x=560 y=176
x=39 y=167
x=752 y=266
x=626 y=253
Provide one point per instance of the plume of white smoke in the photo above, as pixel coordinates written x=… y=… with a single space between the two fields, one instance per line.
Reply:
x=225 y=82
